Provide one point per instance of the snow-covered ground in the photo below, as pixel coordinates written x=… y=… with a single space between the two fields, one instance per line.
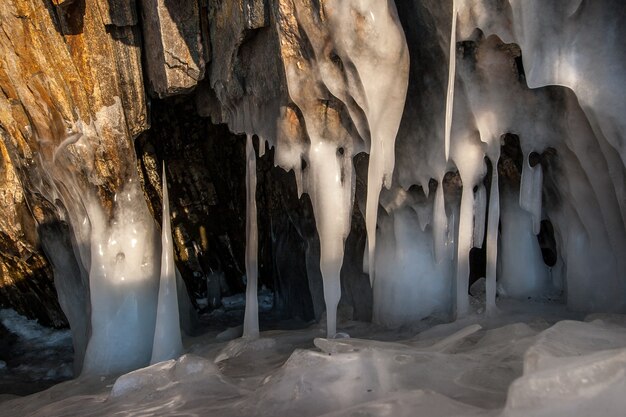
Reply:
x=548 y=363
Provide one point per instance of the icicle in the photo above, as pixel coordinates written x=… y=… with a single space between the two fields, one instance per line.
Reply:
x=440 y=224
x=251 y=318
x=298 y=174
x=530 y=192
x=261 y=146
x=374 y=183
x=480 y=212
x=492 y=239
x=167 y=342
x=451 y=80
x=463 y=249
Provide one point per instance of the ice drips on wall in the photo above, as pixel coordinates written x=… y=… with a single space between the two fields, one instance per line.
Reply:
x=346 y=89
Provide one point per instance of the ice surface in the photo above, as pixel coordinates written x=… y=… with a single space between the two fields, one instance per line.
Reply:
x=167 y=339
x=251 y=318
x=478 y=367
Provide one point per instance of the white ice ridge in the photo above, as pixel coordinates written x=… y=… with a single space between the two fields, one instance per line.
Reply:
x=167 y=339
x=251 y=318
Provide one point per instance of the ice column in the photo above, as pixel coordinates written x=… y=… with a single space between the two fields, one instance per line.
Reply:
x=251 y=318
x=167 y=339
x=123 y=283
x=480 y=212
x=330 y=182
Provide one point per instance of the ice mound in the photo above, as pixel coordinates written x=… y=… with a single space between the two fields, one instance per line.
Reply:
x=162 y=375
x=573 y=369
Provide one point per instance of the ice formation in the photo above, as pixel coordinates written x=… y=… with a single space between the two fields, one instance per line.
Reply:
x=167 y=339
x=362 y=71
x=251 y=319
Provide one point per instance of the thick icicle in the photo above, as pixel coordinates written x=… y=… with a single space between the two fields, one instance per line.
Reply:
x=463 y=248
x=451 y=80
x=167 y=342
x=251 y=319
x=492 y=240
x=480 y=212
x=440 y=224
x=530 y=192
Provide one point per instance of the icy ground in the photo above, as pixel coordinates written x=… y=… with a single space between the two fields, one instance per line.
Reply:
x=548 y=363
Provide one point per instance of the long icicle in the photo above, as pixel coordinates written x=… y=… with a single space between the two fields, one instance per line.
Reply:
x=374 y=184
x=251 y=318
x=451 y=81
x=167 y=342
x=492 y=239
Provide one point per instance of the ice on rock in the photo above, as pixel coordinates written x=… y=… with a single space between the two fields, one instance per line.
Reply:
x=167 y=338
x=251 y=318
x=530 y=192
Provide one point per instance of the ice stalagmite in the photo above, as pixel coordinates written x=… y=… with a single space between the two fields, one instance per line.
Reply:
x=251 y=319
x=167 y=339
x=492 y=240
x=530 y=192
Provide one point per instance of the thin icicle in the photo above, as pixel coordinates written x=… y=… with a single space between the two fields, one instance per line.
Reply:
x=167 y=342
x=298 y=174
x=492 y=240
x=251 y=318
x=451 y=80
x=480 y=212
x=375 y=176
x=440 y=224
x=530 y=192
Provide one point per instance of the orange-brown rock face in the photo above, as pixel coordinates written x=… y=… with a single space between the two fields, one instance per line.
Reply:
x=69 y=70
